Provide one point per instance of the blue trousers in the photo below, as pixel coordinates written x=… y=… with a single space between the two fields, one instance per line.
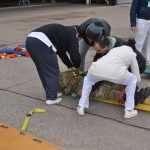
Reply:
x=45 y=60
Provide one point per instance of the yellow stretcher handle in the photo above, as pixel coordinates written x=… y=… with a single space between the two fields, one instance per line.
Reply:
x=28 y=117
x=39 y=110
x=25 y=124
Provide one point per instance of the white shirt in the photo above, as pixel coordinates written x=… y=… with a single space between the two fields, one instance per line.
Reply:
x=42 y=37
x=114 y=65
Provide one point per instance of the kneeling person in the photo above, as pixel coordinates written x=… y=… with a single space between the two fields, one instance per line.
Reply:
x=113 y=67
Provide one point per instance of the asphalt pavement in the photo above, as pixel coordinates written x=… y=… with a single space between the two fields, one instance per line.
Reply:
x=103 y=126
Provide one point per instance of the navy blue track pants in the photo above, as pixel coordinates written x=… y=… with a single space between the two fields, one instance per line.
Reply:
x=45 y=60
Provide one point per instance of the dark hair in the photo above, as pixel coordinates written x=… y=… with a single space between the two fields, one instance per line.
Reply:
x=131 y=42
x=103 y=41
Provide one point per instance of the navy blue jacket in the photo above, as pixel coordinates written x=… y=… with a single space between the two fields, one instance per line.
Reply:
x=139 y=9
x=65 y=41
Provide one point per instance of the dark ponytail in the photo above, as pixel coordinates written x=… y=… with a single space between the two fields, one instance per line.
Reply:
x=131 y=42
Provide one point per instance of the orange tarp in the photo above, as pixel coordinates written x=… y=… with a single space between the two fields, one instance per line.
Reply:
x=11 y=139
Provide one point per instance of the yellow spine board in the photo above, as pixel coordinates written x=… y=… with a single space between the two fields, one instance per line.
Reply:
x=144 y=107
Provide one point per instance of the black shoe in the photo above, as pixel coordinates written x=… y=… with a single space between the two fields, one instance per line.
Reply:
x=136 y=98
x=144 y=93
x=139 y=96
x=147 y=92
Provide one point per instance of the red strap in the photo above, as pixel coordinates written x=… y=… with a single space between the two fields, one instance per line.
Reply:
x=120 y=98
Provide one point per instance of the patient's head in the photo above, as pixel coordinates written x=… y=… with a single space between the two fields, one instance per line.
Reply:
x=101 y=45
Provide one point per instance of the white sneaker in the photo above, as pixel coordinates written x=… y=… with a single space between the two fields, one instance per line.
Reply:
x=130 y=114
x=59 y=94
x=80 y=111
x=50 y=102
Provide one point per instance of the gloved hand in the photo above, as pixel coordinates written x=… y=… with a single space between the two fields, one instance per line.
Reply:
x=78 y=72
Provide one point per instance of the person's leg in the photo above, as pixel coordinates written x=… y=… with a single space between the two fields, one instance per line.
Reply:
x=130 y=83
x=141 y=61
x=30 y=44
x=130 y=91
x=141 y=32
x=42 y=77
x=148 y=44
x=89 y=81
x=46 y=62
x=83 y=48
x=87 y=87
